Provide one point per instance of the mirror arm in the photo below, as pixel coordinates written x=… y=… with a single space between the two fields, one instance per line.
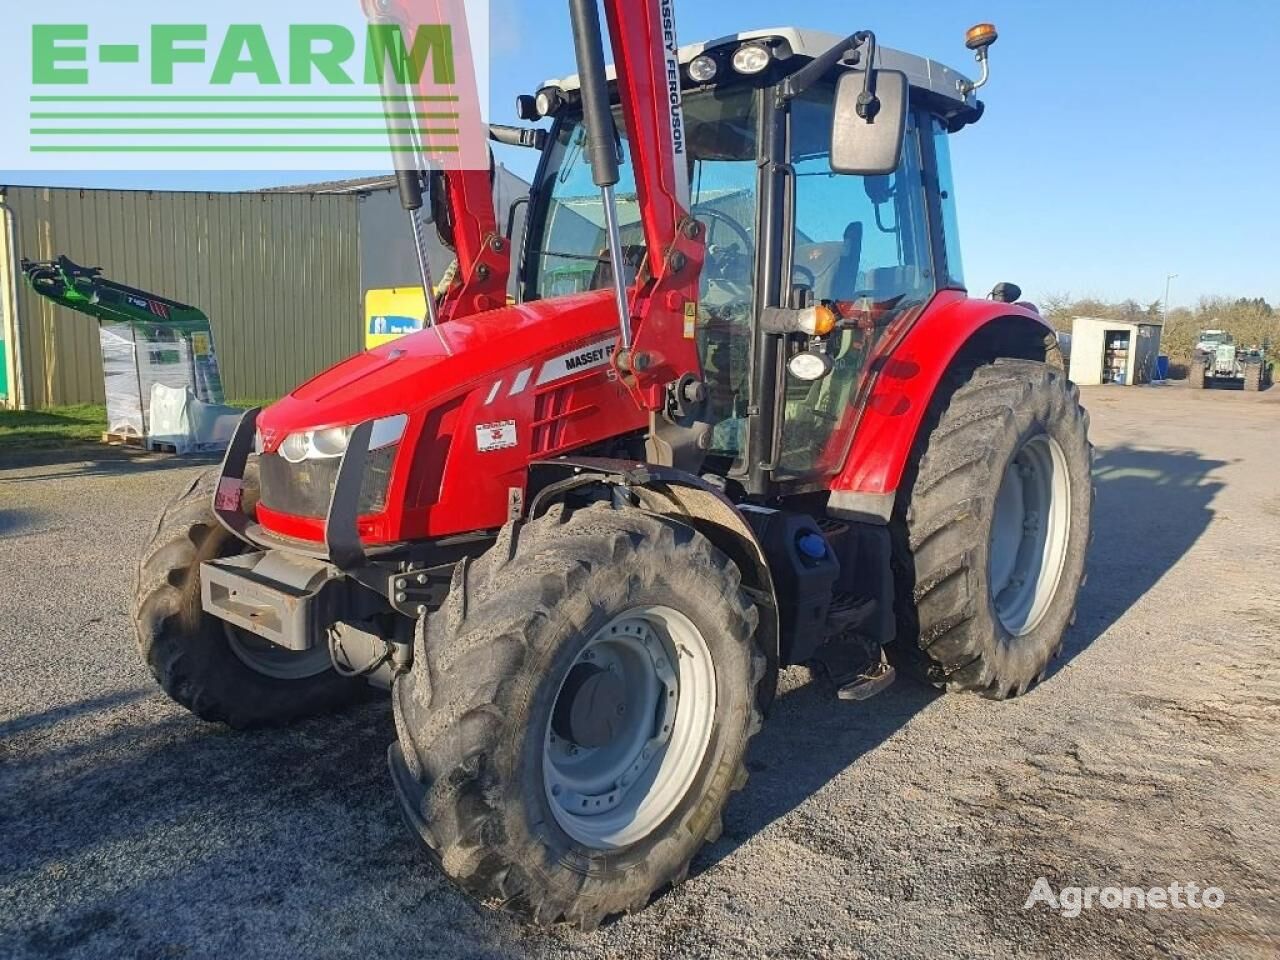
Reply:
x=531 y=137
x=816 y=69
x=868 y=102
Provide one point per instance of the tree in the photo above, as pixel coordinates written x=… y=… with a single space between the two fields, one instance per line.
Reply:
x=1250 y=320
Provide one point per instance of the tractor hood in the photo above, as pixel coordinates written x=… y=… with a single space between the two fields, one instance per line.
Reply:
x=425 y=369
x=458 y=413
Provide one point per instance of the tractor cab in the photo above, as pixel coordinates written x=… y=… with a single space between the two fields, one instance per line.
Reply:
x=783 y=230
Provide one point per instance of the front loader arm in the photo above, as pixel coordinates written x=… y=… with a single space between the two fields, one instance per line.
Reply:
x=483 y=254
x=657 y=357
x=664 y=363
x=85 y=290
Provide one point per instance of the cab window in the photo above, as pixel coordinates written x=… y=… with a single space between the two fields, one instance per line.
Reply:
x=859 y=241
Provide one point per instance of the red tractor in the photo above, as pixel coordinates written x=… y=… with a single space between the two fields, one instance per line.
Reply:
x=743 y=415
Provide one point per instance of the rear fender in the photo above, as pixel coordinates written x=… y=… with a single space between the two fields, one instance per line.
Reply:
x=683 y=498
x=953 y=328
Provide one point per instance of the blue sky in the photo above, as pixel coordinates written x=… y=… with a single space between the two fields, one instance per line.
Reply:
x=1123 y=141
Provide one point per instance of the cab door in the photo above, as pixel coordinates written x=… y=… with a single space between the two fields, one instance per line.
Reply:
x=864 y=243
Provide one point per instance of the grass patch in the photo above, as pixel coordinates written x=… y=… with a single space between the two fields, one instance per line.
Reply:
x=251 y=403
x=53 y=427
x=58 y=426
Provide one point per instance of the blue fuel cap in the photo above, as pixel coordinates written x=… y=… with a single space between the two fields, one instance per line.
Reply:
x=812 y=545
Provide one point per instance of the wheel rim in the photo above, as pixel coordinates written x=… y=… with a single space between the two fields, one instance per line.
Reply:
x=629 y=768
x=1029 y=534
x=264 y=657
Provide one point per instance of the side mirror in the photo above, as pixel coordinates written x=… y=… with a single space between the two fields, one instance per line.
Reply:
x=867 y=137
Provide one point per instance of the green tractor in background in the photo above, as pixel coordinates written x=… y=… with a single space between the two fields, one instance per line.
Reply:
x=1219 y=362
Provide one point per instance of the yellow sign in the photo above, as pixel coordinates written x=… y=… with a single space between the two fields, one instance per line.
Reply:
x=690 y=321
x=393 y=313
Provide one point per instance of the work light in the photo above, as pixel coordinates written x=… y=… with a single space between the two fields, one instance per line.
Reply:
x=751 y=58
x=703 y=69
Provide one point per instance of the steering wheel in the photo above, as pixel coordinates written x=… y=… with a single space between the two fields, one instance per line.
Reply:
x=710 y=213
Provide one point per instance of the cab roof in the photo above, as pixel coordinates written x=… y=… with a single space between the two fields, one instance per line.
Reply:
x=922 y=73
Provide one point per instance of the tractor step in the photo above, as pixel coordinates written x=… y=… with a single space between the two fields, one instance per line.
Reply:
x=853 y=659
x=869 y=683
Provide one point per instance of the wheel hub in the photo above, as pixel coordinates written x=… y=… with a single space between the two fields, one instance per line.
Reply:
x=1029 y=534
x=629 y=728
x=591 y=708
x=262 y=656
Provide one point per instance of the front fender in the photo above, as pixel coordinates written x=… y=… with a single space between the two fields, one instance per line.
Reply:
x=906 y=381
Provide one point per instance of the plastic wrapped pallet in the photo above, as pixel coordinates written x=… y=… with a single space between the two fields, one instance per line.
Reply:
x=150 y=371
x=125 y=415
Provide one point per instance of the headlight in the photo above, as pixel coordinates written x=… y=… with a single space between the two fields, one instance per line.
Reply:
x=703 y=69
x=751 y=58
x=295 y=447
x=330 y=443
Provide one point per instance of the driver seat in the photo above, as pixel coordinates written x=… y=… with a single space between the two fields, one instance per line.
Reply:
x=844 y=279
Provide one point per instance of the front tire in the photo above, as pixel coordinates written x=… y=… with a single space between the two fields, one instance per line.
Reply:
x=989 y=540
x=526 y=804
x=216 y=671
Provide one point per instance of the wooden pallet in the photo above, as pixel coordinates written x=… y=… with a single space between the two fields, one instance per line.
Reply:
x=124 y=440
x=158 y=446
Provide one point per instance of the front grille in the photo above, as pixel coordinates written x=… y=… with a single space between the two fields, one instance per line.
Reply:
x=305 y=489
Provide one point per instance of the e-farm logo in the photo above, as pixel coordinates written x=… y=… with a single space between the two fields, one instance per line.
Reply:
x=316 y=52
x=332 y=85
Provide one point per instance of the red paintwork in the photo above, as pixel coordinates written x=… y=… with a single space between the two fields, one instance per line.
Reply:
x=640 y=39
x=446 y=485
x=484 y=256
x=446 y=379
x=901 y=391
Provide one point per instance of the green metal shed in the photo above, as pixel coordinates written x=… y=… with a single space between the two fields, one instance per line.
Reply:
x=277 y=273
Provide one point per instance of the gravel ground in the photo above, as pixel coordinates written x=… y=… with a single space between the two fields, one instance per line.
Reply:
x=910 y=826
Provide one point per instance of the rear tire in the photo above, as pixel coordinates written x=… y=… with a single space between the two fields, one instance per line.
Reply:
x=1253 y=377
x=990 y=538
x=217 y=672
x=477 y=715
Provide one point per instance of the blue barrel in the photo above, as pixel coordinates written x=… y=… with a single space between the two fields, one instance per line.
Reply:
x=1162 y=367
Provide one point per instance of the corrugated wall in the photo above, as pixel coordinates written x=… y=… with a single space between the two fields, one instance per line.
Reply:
x=278 y=275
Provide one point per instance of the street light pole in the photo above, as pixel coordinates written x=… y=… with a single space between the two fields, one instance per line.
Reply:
x=1167 y=281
